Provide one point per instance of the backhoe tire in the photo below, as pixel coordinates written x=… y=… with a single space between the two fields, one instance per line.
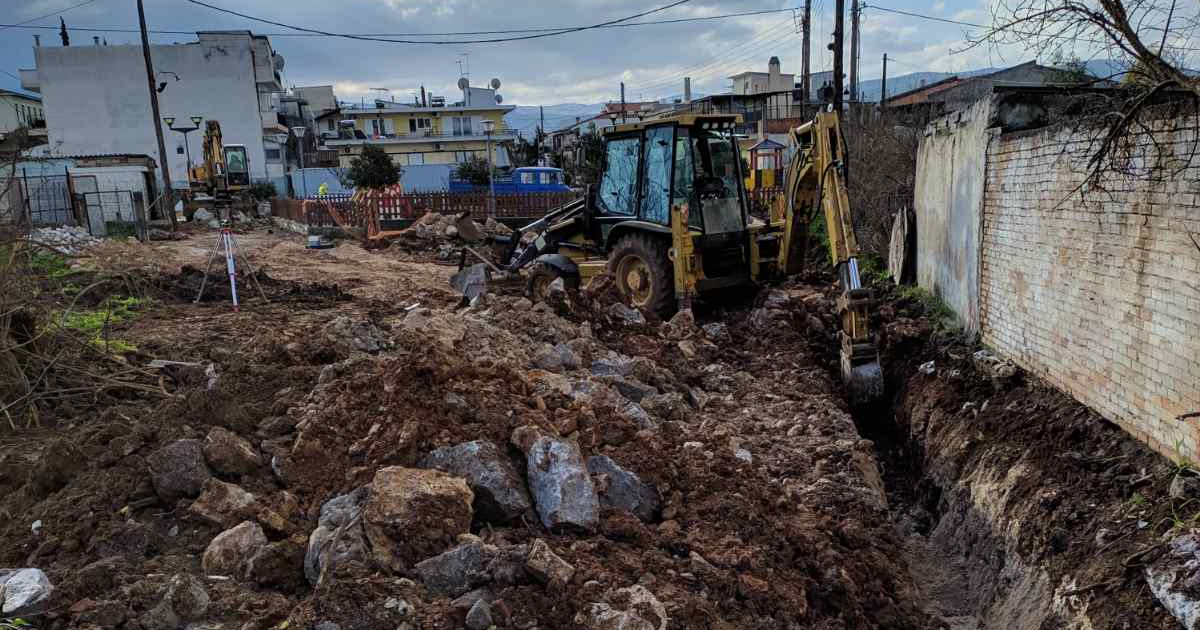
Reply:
x=541 y=275
x=644 y=273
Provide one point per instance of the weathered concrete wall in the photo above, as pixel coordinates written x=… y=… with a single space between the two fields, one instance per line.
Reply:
x=1100 y=296
x=949 y=191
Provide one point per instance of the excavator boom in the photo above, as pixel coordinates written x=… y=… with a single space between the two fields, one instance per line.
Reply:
x=816 y=181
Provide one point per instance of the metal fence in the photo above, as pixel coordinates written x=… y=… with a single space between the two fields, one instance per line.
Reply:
x=114 y=213
x=46 y=199
x=411 y=206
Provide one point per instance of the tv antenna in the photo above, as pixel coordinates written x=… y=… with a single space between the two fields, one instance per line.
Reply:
x=464 y=58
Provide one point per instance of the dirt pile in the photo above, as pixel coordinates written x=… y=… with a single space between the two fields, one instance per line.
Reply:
x=512 y=464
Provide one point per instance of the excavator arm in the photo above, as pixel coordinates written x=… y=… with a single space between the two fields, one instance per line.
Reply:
x=816 y=182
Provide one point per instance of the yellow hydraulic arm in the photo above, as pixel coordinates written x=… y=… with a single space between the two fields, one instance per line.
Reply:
x=816 y=179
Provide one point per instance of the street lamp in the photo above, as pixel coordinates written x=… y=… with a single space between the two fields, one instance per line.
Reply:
x=299 y=132
x=488 y=127
x=187 y=149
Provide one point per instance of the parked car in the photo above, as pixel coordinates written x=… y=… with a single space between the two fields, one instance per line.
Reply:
x=527 y=179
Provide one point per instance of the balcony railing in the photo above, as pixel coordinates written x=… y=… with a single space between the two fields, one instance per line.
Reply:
x=431 y=134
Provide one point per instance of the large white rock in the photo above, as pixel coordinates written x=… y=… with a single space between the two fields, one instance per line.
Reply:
x=23 y=589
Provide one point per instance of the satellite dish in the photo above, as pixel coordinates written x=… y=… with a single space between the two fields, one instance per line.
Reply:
x=495 y=84
x=499 y=99
x=463 y=83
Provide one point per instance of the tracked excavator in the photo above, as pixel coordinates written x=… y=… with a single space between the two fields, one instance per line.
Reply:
x=670 y=220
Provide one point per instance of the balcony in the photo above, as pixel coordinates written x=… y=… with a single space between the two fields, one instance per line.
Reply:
x=501 y=133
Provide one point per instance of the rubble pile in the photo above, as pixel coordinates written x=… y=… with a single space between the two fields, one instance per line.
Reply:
x=506 y=465
x=68 y=239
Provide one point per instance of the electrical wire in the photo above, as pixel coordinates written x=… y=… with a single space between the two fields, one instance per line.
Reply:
x=769 y=37
x=713 y=70
x=439 y=42
x=100 y=29
x=48 y=15
x=934 y=18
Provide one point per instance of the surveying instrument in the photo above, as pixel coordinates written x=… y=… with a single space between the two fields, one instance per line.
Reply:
x=227 y=244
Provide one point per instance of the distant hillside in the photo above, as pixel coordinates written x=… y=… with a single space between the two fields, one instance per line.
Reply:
x=525 y=117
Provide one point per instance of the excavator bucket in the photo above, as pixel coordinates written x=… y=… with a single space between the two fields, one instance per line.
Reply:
x=863 y=381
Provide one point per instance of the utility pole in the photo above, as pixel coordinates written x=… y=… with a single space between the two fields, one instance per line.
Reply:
x=806 y=54
x=854 y=51
x=883 y=84
x=541 y=132
x=839 y=25
x=622 y=102
x=168 y=195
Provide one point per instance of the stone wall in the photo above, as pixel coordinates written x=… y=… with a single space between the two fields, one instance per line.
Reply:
x=1098 y=295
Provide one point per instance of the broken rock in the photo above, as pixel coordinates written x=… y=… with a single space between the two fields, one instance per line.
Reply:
x=633 y=608
x=22 y=590
x=622 y=489
x=224 y=504
x=228 y=453
x=561 y=487
x=232 y=549
x=178 y=470
x=625 y=313
x=500 y=493
x=183 y=600
x=456 y=571
x=412 y=514
x=339 y=537
x=681 y=326
x=480 y=616
x=543 y=564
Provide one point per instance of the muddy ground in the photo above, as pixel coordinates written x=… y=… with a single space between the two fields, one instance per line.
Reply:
x=760 y=503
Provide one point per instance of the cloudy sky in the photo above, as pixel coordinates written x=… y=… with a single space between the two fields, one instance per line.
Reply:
x=584 y=67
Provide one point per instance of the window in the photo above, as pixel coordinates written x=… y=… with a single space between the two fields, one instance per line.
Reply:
x=461 y=126
x=526 y=178
x=618 y=186
x=464 y=156
x=685 y=178
x=273 y=154
x=416 y=125
x=410 y=159
x=656 y=161
x=544 y=178
x=331 y=125
x=381 y=127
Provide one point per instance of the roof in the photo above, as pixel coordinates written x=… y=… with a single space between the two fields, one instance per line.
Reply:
x=32 y=97
x=766 y=144
x=915 y=95
x=682 y=119
x=397 y=108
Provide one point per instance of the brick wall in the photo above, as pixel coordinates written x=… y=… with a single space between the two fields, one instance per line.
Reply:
x=1101 y=296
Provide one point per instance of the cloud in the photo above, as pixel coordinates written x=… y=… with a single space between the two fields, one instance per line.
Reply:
x=586 y=66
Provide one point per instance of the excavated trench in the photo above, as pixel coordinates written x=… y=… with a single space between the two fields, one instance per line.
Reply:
x=967 y=574
x=1012 y=500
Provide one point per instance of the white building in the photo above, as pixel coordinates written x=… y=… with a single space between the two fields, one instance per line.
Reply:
x=96 y=100
x=19 y=110
x=770 y=81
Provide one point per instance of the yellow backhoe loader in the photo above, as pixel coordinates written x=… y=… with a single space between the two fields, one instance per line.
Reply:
x=669 y=219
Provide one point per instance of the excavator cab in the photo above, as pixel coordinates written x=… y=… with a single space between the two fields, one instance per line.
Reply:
x=669 y=186
x=237 y=170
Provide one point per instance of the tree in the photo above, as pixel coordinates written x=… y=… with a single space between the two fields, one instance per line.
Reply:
x=474 y=171
x=1148 y=37
x=372 y=169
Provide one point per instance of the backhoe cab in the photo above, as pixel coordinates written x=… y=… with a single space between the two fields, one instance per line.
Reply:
x=669 y=219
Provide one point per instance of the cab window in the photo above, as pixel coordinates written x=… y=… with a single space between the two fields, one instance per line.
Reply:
x=656 y=161
x=618 y=186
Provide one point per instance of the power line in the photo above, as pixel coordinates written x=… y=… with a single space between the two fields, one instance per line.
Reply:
x=439 y=42
x=48 y=15
x=1005 y=28
x=11 y=74
x=724 y=56
x=99 y=29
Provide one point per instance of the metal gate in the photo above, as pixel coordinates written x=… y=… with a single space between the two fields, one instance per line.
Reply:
x=46 y=199
x=114 y=213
